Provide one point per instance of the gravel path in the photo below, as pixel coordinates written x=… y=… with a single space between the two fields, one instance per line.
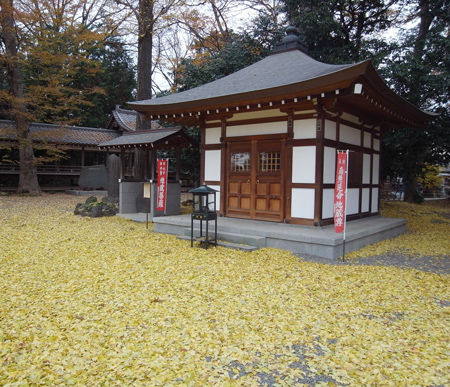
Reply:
x=438 y=265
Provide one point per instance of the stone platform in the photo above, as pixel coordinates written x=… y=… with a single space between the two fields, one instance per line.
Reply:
x=319 y=241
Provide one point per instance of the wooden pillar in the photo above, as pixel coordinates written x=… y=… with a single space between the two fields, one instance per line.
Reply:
x=223 y=166
x=82 y=156
x=153 y=165
x=318 y=192
x=287 y=166
x=177 y=163
x=146 y=167
x=202 y=152
x=122 y=163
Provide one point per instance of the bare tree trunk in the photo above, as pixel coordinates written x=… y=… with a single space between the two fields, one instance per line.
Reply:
x=426 y=18
x=146 y=24
x=144 y=64
x=28 y=181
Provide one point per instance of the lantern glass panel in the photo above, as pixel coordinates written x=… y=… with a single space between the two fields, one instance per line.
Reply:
x=196 y=203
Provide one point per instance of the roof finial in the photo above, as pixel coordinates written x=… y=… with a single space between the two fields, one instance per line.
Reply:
x=291 y=41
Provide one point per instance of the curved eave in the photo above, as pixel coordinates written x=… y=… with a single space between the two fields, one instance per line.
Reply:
x=329 y=82
x=397 y=103
x=121 y=123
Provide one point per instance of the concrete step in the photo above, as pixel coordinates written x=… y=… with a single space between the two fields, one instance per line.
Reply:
x=229 y=245
x=242 y=239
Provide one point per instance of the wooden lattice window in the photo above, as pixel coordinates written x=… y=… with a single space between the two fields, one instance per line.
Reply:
x=240 y=162
x=269 y=161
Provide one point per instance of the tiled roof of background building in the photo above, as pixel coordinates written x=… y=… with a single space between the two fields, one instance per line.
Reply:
x=60 y=134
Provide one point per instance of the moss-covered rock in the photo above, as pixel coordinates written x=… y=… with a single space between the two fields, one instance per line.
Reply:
x=95 y=209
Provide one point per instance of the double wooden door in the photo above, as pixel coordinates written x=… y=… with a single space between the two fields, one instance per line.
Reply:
x=254 y=180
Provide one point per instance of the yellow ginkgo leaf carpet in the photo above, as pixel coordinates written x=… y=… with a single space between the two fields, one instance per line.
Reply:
x=103 y=301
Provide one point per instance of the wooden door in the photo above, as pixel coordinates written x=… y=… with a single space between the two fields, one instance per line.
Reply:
x=269 y=192
x=254 y=181
x=239 y=182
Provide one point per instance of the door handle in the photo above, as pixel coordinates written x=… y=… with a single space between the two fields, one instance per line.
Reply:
x=257 y=181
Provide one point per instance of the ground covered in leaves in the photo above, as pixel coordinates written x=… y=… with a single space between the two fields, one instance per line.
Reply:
x=103 y=301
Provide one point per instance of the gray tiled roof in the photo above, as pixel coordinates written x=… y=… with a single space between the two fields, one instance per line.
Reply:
x=280 y=69
x=144 y=137
x=60 y=134
x=126 y=119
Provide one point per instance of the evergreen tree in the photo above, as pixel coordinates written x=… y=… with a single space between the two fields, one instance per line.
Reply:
x=419 y=71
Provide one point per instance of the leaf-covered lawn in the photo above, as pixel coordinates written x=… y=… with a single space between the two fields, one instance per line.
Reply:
x=428 y=231
x=104 y=302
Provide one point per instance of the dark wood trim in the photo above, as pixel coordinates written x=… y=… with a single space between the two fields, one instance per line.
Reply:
x=379 y=176
x=253 y=171
x=223 y=167
x=370 y=177
x=146 y=166
x=351 y=124
x=304 y=142
x=320 y=123
x=215 y=124
x=290 y=125
x=202 y=152
x=302 y=185
x=307 y=116
x=153 y=156
x=362 y=172
x=283 y=177
x=212 y=182
x=338 y=130
x=288 y=167
x=82 y=156
x=329 y=185
x=344 y=145
x=258 y=137
x=301 y=221
x=122 y=164
x=213 y=146
x=178 y=163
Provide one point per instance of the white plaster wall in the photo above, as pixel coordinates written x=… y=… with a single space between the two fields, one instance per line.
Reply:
x=212 y=135
x=302 y=204
x=256 y=129
x=330 y=130
x=367 y=138
x=329 y=165
x=350 y=117
x=376 y=169
x=366 y=169
x=327 y=203
x=349 y=135
x=212 y=165
x=303 y=164
x=352 y=201
x=365 y=200
x=305 y=128
x=244 y=115
x=217 y=188
x=376 y=144
x=374 y=199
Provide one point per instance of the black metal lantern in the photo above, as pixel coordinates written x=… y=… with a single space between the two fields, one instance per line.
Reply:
x=204 y=209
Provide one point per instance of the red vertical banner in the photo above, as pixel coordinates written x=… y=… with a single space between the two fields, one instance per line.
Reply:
x=340 y=191
x=162 y=167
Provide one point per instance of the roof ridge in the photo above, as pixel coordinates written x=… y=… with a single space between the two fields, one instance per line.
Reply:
x=85 y=128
